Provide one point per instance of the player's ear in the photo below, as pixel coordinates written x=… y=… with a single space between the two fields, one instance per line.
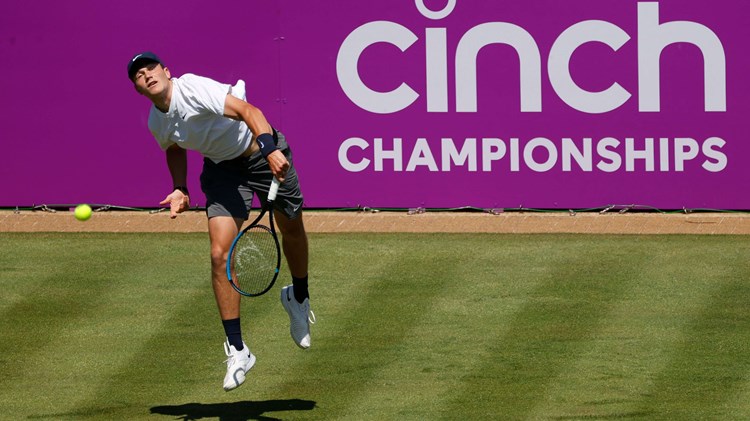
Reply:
x=166 y=71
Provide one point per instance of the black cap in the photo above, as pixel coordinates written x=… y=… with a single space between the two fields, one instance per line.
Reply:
x=140 y=60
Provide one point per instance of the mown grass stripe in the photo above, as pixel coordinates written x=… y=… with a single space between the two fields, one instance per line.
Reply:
x=30 y=331
x=162 y=363
x=441 y=345
x=553 y=327
x=610 y=379
x=415 y=350
x=121 y=381
x=21 y=258
x=712 y=359
x=104 y=326
x=65 y=294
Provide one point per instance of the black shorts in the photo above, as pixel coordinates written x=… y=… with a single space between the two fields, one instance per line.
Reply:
x=229 y=185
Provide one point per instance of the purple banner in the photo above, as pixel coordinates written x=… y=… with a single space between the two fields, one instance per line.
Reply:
x=432 y=103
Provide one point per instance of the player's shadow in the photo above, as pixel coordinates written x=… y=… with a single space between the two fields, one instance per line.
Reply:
x=236 y=411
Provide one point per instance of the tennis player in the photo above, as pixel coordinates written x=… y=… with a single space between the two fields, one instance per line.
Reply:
x=241 y=153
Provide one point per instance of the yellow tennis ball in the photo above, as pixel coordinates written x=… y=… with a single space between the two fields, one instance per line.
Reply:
x=83 y=212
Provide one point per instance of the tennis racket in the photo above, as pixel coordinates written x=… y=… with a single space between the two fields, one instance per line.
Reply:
x=254 y=258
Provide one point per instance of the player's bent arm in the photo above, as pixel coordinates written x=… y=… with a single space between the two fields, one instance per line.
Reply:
x=239 y=110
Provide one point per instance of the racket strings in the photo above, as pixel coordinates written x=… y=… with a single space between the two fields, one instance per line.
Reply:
x=255 y=260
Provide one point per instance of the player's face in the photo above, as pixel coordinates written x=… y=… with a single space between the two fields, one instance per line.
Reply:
x=152 y=80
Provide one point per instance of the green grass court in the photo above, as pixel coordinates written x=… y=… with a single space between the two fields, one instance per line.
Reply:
x=410 y=326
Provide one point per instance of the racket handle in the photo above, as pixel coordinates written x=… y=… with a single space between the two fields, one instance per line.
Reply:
x=273 y=190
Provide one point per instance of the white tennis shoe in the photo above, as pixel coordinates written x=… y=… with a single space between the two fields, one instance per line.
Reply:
x=300 y=317
x=238 y=364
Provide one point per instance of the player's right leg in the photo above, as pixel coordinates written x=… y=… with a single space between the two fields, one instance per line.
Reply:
x=221 y=231
x=227 y=204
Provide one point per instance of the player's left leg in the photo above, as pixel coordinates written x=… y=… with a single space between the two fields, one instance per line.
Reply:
x=288 y=216
x=294 y=244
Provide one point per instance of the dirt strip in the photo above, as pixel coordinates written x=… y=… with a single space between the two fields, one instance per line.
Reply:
x=351 y=221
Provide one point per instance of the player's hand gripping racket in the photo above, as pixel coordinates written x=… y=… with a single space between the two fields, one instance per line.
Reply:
x=254 y=258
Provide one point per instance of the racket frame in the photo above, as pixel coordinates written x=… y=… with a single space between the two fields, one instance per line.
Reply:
x=266 y=208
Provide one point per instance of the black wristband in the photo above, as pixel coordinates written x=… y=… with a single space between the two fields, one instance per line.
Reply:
x=183 y=189
x=266 y=143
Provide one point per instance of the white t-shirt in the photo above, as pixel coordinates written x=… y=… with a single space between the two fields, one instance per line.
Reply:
x=196 y=121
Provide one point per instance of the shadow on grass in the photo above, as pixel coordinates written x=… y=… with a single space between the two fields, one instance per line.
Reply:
x=236 y=411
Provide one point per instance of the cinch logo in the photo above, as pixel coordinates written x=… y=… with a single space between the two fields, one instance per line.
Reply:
x=653 y=37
